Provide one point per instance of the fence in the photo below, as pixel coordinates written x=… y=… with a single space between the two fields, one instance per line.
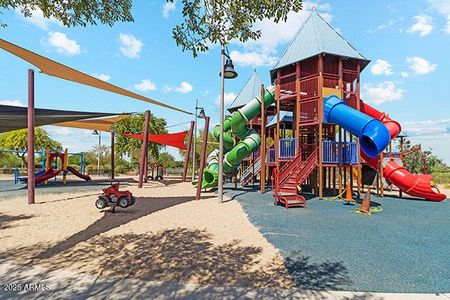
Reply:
x=347 y=154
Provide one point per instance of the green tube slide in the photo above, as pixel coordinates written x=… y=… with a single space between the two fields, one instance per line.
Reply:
x=249 y=140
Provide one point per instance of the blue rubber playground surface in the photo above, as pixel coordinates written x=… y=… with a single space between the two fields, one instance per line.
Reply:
x=403 y=248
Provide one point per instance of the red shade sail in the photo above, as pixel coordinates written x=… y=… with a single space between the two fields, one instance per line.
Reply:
x=169 y=139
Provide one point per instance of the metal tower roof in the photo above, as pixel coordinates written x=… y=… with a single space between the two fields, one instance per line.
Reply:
x=315 y=37
x=251 y=89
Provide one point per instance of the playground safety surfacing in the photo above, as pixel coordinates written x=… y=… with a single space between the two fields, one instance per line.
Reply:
x=403 y=249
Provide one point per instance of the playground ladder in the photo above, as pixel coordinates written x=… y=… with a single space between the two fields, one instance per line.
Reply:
x=251 y=171
x=294 y=173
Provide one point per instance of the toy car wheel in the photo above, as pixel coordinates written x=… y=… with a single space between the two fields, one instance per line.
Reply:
x=101 y=203
x=123 y=202
x=159 y=177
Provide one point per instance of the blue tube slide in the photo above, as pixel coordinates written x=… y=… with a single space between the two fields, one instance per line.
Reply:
x=373 y=135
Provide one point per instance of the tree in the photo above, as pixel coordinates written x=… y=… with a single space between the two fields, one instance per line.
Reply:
x=167 y=161
x=135 y=124
x=74 y=12
x=414 y=160
x=18 y=140
x=220 y=21
x=212 y=145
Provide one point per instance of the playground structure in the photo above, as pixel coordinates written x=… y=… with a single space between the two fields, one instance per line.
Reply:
x=52 y=170
x=331 y=133
x=46 y=165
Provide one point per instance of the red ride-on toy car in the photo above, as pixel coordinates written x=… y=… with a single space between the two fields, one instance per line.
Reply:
x=111 y=196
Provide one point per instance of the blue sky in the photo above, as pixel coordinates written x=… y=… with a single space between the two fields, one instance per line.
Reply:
x=407 y=41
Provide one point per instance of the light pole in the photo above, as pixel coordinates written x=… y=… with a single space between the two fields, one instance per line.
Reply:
x=99 y=133
x=228 y=72
x=201 y=115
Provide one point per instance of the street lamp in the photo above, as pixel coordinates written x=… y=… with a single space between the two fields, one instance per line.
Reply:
x=201 y=115
x=227 y=72
x=99 y=133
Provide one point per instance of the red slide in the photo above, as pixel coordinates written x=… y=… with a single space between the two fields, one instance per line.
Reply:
x=418 y=185
x=50 y=173
x=78 y=174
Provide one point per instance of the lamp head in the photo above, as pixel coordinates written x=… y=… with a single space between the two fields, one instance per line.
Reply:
x=229 y=72
x=202 y=115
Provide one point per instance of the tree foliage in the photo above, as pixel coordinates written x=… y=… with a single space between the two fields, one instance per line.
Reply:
x=211 y=146
x=135 y=124
x=220 y=21
x=74 y=12
x=18 y=140
x=414 y=161
x=166 y=160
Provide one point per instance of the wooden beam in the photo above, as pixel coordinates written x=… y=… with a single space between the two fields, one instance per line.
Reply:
x=202 y=159
x=320 y=111
x=262 y=151
x=188 y=151
x=144 y=150
x=113 y=165
x=358 y=107
x=30 y=135
x=277 y=130
x=298 y=92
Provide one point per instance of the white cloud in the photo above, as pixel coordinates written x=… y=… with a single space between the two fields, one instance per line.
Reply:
x=388 y=24
x=274 y=34
x=130 y=46
x=63 y=44
x=168 y=7
x=252 y=58
x=420 y=66
x=381 y=67
x=423 y=25
x=261 y=52
x=184 y=88
x=37 y=18
x=228 y=99
x=145 y=85
x=11 y=102
x=102 y=76
x=447 y=27
x=427 y=128
x=381 y=92
x=442 y=7
x=404 y=74
x=58 y=131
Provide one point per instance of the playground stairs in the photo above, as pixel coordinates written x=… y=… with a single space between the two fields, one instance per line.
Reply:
x=291 y=175
x=251 y=171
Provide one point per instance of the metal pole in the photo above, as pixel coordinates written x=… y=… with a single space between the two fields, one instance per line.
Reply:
x=144 y=149
x=30 y=121
x=221 y=120
x=195 y=141
x=202 y=159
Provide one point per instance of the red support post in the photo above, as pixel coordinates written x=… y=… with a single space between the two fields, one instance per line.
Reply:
x=30 y=167
x=188 y=151
x=146 y=168
x=144 y=149
x=202 y=159
x=113 y=165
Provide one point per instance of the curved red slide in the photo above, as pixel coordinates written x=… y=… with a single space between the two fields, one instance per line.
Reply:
x=418 y=185
x=50 y=173
x=78 y=174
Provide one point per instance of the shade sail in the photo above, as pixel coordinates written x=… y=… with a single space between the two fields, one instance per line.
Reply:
x=170 y=139
x=103 y=124
x=53 y=68
x=15 y=117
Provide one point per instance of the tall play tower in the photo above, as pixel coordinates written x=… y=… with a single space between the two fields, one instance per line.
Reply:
x=319 y=62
